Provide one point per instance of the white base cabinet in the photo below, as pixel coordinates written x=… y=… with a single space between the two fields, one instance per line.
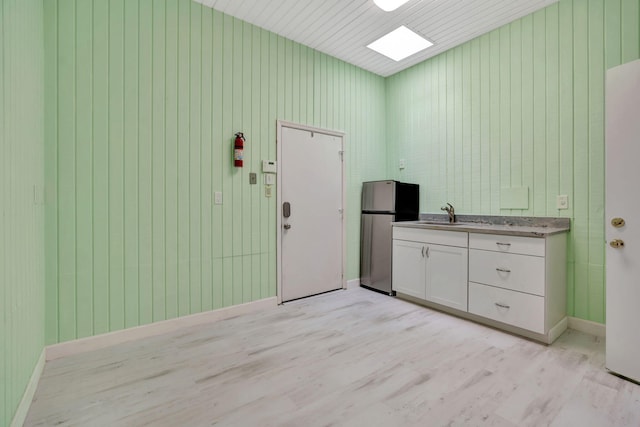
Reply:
x=409 y=268
x=431 y=265
x=511 y=282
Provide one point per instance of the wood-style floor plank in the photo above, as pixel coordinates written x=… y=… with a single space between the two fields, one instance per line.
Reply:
x=354 y=358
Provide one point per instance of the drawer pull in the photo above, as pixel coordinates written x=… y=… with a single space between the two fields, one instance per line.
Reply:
x=503 y=244
x=502 y=305
x=503 y=270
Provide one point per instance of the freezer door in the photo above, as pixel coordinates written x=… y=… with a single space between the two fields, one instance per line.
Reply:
x=375 y=261
x=379 y=196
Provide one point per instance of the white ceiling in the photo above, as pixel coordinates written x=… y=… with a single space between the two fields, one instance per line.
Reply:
x=343 y=28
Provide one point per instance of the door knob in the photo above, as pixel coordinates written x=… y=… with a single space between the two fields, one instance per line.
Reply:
x=616 y=243
x=617 y=222
x=287 y=226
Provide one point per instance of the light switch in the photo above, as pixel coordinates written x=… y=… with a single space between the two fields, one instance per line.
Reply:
x=269 y=179
x=217 y=197
x=402 y=164
x=562 y=202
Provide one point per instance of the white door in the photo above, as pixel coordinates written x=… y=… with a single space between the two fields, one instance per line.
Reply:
x=623 y=201
x=310 y=199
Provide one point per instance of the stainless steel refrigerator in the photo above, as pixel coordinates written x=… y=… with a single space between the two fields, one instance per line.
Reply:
x=383 y=202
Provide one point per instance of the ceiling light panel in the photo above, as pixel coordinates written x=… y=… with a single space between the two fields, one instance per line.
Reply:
x=399 y=44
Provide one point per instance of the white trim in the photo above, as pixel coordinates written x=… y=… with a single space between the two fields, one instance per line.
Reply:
x=587 y=326
x=558 y=329
x=279 y=125
x=353 y=283
x=82 y=345
x=25 y=403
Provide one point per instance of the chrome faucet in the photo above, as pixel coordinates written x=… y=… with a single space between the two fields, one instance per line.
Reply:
x=450 y=211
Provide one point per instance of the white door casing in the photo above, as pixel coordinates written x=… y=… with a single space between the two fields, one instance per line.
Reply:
x=311 y=241
x=622 y=142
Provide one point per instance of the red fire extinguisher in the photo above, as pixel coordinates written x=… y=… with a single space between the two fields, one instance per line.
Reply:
x=238 y=150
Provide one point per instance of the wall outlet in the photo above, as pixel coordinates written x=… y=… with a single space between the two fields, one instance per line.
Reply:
x=562 y=202
x=253 y=179
x=402 y=164
x=217 y=197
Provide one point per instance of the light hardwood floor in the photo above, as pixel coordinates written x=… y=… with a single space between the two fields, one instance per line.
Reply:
x=347 y=358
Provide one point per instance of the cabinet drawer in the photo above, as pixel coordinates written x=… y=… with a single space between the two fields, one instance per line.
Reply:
x=507 y=244
x=438 y=237
x=522 y=273
x=514 y=308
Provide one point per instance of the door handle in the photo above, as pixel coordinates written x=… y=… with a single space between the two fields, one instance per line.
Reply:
x=287 y=226
x=616 y=243
x=286 y=209
x=617 y=222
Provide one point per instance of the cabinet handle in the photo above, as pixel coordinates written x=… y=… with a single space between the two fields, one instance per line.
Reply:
x=427 y=251
x=503 y=270
x=503 y=244
x=502 y=305
x=423 y=252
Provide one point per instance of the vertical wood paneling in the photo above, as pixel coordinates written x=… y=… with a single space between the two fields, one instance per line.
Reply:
x=131 y=243
x=116 y=161
x=158 y=164
x=100 y=167
x=205 y=160
x=67 y=175
x=153 y=92
x=171 y=259
x=84 y=213
x=552 y=110
x=144 y=181
x=580 y=224
x=542 y=99
x=51 y=175
x=22 y=262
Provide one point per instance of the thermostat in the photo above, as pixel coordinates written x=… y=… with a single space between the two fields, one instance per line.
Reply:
x=269 y=166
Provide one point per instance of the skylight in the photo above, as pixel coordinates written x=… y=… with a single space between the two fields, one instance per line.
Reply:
x=400 y=44
x=389 y=5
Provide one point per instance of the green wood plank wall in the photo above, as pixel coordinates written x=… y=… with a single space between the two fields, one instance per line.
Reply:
x=142 y=100
x=21 y=198
x=520 y=106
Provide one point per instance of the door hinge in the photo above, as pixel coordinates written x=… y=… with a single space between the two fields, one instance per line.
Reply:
x=341 y=212
x=341 y=153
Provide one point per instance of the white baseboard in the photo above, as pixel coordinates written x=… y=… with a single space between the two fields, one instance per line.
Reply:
x=97 y=342
x=558 y=329
x=25 y=403
x=353 y=283
x=587 y=326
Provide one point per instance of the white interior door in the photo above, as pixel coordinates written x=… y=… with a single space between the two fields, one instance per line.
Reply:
x=311 y=227
x=623 y=201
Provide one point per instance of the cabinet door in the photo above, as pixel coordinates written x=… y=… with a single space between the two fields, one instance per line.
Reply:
x=409 y=268
x=447 y=276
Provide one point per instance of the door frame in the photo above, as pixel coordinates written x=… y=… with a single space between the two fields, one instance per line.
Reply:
x=280 y=124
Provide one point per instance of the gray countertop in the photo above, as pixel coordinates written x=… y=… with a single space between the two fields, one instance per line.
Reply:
x=507 y=225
